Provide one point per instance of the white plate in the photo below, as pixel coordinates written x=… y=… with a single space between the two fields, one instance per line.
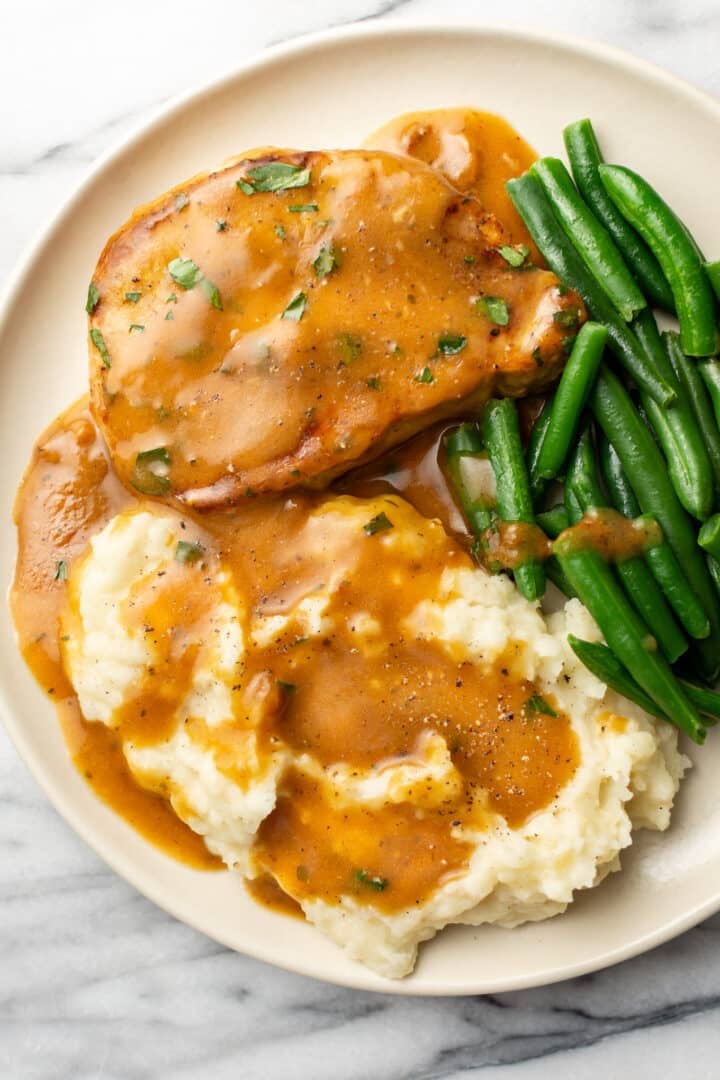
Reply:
x=324 y=91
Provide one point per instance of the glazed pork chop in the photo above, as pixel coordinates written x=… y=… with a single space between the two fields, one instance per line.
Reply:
x=279 y=321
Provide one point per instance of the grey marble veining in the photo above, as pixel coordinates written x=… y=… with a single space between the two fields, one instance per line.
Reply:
x=94 y=980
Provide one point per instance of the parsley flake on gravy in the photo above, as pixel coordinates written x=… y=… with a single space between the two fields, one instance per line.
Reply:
x=539 y=705
x=296 y=308
x=371 y=881
x=274 y=176
x=425 y=376
x=150 y=475
x=99 y=342
x=326 y=262
x=514 y=256
x=61 y=571
x=132 y=297
x=304 y=208
x=93 y=298
x=188 y=274
x=495 y=308
x=379 y=523
x=451 y=344
x=188 y=552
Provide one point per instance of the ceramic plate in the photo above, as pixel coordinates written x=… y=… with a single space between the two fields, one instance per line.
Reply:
x=331 y=90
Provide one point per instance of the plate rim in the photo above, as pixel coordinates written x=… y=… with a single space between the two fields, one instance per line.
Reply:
x=369 y=30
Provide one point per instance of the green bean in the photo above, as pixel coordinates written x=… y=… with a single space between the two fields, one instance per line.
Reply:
x=569 y=401
x=712 y=269
x=709 y=536
x=583 y=493
x=710 y=373
x=461 y=441
x=585 y=158
x=554 y=521
x=621 y=494
x=555 y=574
x=676 y=252
x=590 y=238
x=501 y=434
x=531 y=202
x=538 y=484
x=677 y=431
x=626 y=634
x=645 y=469
x=605 y=665
x=694 y=389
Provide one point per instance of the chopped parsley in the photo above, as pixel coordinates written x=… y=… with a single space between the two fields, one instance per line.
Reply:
x=469 y=258
x=373 y=382
x=170 y=315
x=425 y=376
x=304 y=208
x=280 y=232
x=569 y=319
x=372 y=881
x=220 y=225
x=61 y=571
x=188 y=274
x=451 y=344
x=379 y=523
x=172 y=299
x=99 y=342
x=274 y=176
x=537 y=356
x=495 y=308
x=188 y=552
x=287 y=687
x=539 y=705
x=93 y=298
x=296 y=308
x=136 y=328
x=150 y=475
x=132 y=297
x=326 y=262
x=514 y=256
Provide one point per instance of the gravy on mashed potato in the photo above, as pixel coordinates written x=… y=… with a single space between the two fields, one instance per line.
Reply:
x=321 y=690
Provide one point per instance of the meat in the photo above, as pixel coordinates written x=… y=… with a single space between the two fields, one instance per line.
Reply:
x=279 y=321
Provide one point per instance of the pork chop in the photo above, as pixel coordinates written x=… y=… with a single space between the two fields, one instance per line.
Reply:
x=290 y=316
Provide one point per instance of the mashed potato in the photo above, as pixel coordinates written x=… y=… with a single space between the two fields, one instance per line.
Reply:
x=221 y=756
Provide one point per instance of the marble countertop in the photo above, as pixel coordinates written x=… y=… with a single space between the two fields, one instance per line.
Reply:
x=94 y=980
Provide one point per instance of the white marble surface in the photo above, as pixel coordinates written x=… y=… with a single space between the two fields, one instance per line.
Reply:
x=94 y=980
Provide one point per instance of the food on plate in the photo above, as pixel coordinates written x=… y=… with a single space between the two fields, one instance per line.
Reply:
x=285 y=575
x=279 y=320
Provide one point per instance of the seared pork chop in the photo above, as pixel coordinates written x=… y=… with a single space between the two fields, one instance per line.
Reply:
x=283 y=319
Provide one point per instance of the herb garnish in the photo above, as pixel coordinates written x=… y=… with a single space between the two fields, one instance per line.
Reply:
x=568 y=319
x=451 y=344
x=136 y=327
x=373 y=382
x=495 y=308
x=379 y=884
x=188 y=552
x=515 y=256
x=93 y=297
x=326 y=262
x=280 y=232
x=133 y=297
x=61 y=572
x=379 y=523
x=350 y=347
x=150 y=475
x=304 y=208
x=296 y=308
x=274 y=176
x=188 y=274
x=287 y=687
x=539 y=705
x=170 y=315
x=425 y=376
x=99 y=342
x=469 y=258
x=220 y=225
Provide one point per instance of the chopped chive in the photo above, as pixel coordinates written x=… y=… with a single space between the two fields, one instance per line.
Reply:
x=61 y=571
x=304 y=208
x=150 y=475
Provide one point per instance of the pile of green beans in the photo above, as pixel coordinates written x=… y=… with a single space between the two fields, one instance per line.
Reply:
x=632 y=429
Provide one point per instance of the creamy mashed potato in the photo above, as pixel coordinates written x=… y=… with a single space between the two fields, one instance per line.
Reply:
x=205 y=687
